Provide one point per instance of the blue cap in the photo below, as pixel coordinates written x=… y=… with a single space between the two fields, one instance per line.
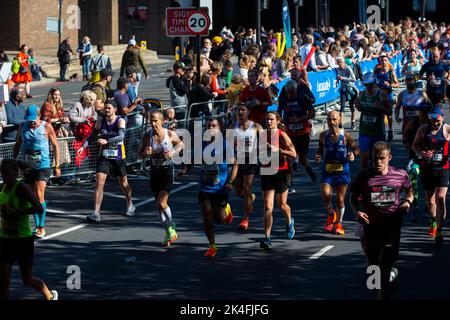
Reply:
x=32 y=113
x=436 y=112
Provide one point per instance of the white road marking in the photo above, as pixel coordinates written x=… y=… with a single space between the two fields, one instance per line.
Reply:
x=110 y=194
x=321 y=252
x=80 y=226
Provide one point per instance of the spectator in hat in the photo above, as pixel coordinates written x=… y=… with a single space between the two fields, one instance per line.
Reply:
x=179 y=85
x=133 y=57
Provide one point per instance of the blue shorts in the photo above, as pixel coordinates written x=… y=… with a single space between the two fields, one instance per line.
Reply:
x=366 y=142
x=336 y=179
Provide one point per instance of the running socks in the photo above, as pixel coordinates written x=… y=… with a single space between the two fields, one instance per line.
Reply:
x=39 y=218
x=341 y=212
x=166 y=217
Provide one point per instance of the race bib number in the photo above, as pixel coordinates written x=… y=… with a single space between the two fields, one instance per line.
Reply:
x=110 y=153
x=436 y=82
x=334 y=167
x=33 y=156
x=210 y=174
x=383 y=196
x=369 y=119
x=438 y=157
x=296 y=127
x=412 y=114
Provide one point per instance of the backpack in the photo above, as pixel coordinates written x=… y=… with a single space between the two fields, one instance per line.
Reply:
x=15 y=66
x=90 y=86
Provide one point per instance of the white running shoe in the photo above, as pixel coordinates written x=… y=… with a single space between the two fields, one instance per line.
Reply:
x=55 y=295
x=130 y=210
x=95 y=217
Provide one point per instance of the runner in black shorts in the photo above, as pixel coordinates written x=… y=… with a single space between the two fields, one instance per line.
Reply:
x=112 y=159
x=432 y=143
x=277 y=184
x=161 y=145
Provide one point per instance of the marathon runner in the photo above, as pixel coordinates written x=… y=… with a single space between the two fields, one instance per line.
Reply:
x=245 y=138
x=431 y=143
x=411 y=101
x=436 y=74
x=112 y=158
x=215 y=181
x=277 y=184
x=375 y=199
x=386 y=80
x=297 y=110
x=337 y=148
x=161 y=144
x=17 y=202
x=33 y=138
x=373 y=105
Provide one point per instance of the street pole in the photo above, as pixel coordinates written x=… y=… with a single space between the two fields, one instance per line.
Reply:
x=296 y=19
x=387 y=11
x=59 y=21
x=424 y=3
x=258 y=22
x=198 y=45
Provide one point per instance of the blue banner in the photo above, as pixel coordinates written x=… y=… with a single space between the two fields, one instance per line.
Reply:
x=286 y=23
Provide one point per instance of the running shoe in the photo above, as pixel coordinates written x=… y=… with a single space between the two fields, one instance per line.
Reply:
x=438 y=238
x=291 y=190
x=330 y=220
x=265 y=244
x=171 y=237
x=95 y=217
x=353 y=127
x=290 y=229
x=393 y=275
x=40 y=234
x=130 y=211
x=244 y=224
x=229 y=214
x=433 y=229
x=54 y=295
x=340 y=229
x=211 y=252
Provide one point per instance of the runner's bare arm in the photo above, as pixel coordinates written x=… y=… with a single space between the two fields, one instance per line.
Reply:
x=290 y=151
x=351 y=144
x=398 y=105
x=418 y=140
x=179 y=145
x=54 y=141
x=319 y=153
x=142 y=153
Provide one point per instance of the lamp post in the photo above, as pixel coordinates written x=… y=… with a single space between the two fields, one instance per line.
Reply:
x=258 y=22
x=59 y=21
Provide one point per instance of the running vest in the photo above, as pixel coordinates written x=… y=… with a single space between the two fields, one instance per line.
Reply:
x=372 y=119
x=382 y=77
x=291 y=115
x=158 y=158
x=246 y=141
x=283 y=163
x=214 y=177
x=411 y=105
x=35 y=146
x=335 y=154
x=19 y=225
x=439 y=145
x=114 y=151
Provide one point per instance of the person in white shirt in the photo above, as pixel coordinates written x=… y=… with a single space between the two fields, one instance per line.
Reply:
x=304 y=51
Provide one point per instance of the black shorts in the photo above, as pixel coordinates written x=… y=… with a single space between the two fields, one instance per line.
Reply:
x=248 y=170
x=116 y=168
x=280 y=182
x=31 y=176
x=301 y=144
x=435 y=97
x=380 y=251
x=218 y=200
x=434 y=178
x=19 y=250
x=161 y=178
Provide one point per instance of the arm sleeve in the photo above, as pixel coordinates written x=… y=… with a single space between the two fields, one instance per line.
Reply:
x=119 y=137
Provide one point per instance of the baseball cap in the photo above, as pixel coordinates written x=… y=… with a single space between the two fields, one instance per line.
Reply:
x=179 y=65
x=368 y=78
x=32 y=113
x=106 y=73
x=132 y=42
x=436 y=112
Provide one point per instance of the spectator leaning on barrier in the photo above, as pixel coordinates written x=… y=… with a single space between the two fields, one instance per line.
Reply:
x=133 y=57
x=179 y=85
x=64 y=56
x=83 y=110
x=99 y=62
x=201 y=93
x=52 y=110
x=15 y=112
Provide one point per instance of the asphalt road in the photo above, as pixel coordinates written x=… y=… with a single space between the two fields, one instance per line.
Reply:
x=314 y=265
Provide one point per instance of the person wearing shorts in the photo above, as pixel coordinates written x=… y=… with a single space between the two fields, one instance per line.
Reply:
x=432 y=143
x=337 y=148
x=33 y=138
x=161 y=144
x=112 y=158
x=379 y=208
x=277 y=184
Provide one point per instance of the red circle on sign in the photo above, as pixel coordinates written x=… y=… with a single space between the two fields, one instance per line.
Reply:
x=198 y=22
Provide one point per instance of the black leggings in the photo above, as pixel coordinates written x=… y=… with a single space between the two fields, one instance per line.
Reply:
x=344 y=99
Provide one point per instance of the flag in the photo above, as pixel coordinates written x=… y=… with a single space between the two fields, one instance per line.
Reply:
x=286 y=23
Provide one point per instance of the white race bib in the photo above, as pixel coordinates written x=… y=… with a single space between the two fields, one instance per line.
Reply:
x=414 y=113
x=369 y=119
x=110 y=153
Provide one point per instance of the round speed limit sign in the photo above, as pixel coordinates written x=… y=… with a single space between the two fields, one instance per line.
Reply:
x=198 y=22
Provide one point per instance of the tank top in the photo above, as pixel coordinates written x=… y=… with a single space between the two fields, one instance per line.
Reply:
x=411 y=105
x=214 y=177
x=335 y=154
x=158 y=159
x=382 y=77
x=372 y=119
x=35 y=146
x=17 y=226
x=291 y=115
x=246 y=141
x=439 y=145
x=116 y=150
x=283 y=163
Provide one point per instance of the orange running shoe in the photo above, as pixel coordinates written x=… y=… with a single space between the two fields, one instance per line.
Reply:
x=211 y=252
x=339 y=229
x=244 y=224
x=433 y=229
x=329 y=224
x=229 y=214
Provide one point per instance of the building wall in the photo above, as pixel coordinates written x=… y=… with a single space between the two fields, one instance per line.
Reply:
x=9 y=19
